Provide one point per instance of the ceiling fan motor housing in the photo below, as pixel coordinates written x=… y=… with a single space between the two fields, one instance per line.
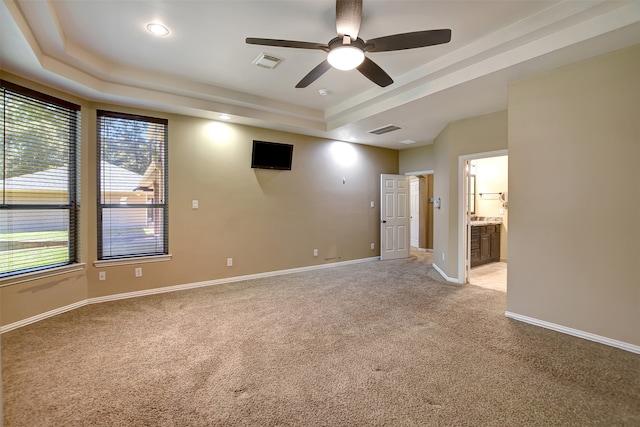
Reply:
x=339 y=41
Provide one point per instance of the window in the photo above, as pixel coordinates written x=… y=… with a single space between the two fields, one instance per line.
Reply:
x=38 y=180
x=132 y=186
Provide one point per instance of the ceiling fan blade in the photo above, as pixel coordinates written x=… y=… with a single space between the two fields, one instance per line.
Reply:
x=314 y=74
x=348 y=17
x=373 y=72
x=408 y=40
x=287 y=43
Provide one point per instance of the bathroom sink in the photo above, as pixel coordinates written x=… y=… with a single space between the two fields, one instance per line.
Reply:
x=487 y=222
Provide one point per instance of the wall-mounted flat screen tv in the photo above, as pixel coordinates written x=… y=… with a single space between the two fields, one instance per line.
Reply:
x=271 y=155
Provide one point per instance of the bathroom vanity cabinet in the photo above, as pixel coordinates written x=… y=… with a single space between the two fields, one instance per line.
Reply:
x=485 y=244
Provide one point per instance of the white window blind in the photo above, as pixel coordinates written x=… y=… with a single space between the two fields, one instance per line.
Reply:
x=132 y=181
x=38 y=180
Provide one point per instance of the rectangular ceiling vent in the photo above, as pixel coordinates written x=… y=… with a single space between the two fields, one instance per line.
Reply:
x=266 y=61
x=384 y=129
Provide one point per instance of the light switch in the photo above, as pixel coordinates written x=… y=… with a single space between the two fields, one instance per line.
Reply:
x=194 y=204
x=373 y=204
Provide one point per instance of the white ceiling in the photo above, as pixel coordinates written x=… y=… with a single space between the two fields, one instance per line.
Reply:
x=100 y=50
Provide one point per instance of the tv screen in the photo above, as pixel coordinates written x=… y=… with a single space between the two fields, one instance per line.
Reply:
x=271 y=155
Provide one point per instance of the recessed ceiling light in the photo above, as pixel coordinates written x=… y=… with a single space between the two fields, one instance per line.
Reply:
x=157 y=29
x=225 y=117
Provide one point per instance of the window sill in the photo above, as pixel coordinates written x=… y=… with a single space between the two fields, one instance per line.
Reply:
x=20 y=278
x=127 y=261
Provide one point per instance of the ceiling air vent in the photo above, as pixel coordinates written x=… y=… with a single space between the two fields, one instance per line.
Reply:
x=384 y=129
x=266 y=61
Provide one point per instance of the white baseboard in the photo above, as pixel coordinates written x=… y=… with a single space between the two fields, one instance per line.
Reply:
x=575 y=332
x=444 y=276
x=42 y=316
x=215 y=282
x=98 y=300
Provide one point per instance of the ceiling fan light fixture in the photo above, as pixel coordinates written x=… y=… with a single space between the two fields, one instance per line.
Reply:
x=345 y=57
x=157 y=29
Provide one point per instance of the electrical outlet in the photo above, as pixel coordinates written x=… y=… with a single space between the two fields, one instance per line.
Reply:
x=229 y=262
x=315 y=252
x=138 y=271
x=373 y=204
x=194 y=204
x=102 y=275
x=373 y=246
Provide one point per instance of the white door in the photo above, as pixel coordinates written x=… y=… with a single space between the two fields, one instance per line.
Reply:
x=415 y=211
x=394 y=218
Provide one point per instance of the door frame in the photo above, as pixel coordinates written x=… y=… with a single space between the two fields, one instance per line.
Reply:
x=464 y=225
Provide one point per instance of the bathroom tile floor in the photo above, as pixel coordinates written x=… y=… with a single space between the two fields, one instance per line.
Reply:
x=491 y=276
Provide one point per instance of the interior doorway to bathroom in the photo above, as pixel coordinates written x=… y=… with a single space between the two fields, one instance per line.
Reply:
x=485 y=219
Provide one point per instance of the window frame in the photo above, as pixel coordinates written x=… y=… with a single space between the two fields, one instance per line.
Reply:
x=103 y=260
x=72 y=150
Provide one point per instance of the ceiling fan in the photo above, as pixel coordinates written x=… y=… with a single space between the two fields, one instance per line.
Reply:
x=347 y=51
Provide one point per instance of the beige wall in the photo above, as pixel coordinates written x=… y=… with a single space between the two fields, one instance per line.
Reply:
x=574 y=150
x=480 y=134
x=265 y=220
x=418 y=159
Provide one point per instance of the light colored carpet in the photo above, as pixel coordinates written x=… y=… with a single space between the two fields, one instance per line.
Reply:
x=376 y=343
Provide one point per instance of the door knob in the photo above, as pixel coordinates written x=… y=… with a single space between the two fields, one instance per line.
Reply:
x=384 y=221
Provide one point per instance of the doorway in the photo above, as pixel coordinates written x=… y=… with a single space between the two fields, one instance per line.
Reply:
x=484 y=219
x=414 y=211
x=421 y=210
